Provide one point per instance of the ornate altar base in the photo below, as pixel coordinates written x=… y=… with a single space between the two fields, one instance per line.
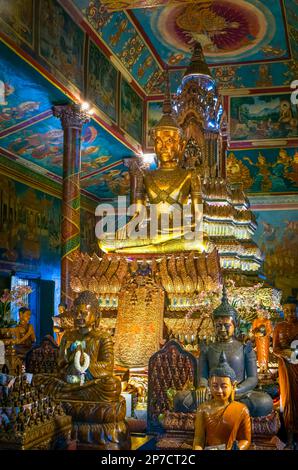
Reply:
x=99 y=425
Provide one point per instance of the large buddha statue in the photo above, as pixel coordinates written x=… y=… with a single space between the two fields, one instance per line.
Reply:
x=168 y=190
x=241 y=357
x=222 y=421
x=85 y=385
x=85 y=360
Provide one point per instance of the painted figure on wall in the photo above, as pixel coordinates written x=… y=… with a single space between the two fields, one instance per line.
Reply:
x=102 y=82
x=285 y=342
x=263 y=117
x=131 y=112
x=62 y=42
x=265 y=170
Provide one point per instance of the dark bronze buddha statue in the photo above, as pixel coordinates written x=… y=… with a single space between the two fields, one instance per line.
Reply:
x=241 y=357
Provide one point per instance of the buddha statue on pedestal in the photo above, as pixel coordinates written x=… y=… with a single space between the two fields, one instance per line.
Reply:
x=86 y=358
x=222 y=422
x=285 y=347
x=168 y=190
x=241 y=357
x=21 y=337
x=86 y=386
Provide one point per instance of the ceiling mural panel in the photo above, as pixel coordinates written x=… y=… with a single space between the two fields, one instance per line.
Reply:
x=42 y=144
x=61 y=42
x=18 y=15
x=24 y=93
x=228 y=31
x=131 y=111
x=273 y=170
x=268 y=116
x=102 y=84
x=109 y=183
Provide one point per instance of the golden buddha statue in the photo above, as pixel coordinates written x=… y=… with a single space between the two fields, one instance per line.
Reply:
x=86 y=358
x=23 y=333
x=86 y=386
x=62 y=322
x=222 y=422
x=167 y=189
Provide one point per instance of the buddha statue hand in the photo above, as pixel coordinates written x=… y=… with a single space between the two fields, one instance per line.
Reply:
x=202 y=393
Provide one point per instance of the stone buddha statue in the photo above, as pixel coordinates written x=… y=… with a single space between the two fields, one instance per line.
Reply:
x=221 y=421
x=85 y=360
x=241 y=357
x=168 y=190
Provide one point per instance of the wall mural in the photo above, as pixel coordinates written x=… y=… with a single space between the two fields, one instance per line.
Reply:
x=277 y=236
x=227 y=30
x=131 y=111
x=291 y=9
x=263 y=117
x=110 y=183
x=61 y=42
x=30 y=231
x=18 y=15
x=102 y=82
x=271 y=170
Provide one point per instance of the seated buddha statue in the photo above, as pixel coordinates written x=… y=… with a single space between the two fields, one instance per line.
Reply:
x=167 y=190
x=241 y=357
x=222 y=421
x=23 y=333
x=85 y=359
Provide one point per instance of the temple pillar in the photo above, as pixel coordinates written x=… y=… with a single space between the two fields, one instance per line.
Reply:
x=72 y=120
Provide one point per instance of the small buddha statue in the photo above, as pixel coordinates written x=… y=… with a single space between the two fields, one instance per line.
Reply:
x=24 y=334
x=222 y=421
x=168 y=190
x=262 y=329
x=285 y=339
x=62 y=322
x=86 y=359
x=241 y=357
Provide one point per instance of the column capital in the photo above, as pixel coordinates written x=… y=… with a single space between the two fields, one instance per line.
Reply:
x=71 y=116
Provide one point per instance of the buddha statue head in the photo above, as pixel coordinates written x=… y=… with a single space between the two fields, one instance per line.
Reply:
x=85 y=310
x=24 y=316
x=169 y=144
x=222 y=380
x=225 y=319
x=289 y=308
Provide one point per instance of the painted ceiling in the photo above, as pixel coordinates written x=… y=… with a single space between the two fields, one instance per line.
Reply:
x=31 y=136
x=114 y=54
x=147 y=36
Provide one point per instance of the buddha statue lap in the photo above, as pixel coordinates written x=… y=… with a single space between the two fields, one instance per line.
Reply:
x=167 y=190
x=222 y=422
x=241 y=357
x=86 y=386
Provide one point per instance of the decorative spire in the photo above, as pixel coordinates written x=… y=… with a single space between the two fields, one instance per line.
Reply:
x=223 y=369
x=198 y=64
x=167 y=121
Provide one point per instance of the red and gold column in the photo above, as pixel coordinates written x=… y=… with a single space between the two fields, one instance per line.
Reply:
x=72 y=119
